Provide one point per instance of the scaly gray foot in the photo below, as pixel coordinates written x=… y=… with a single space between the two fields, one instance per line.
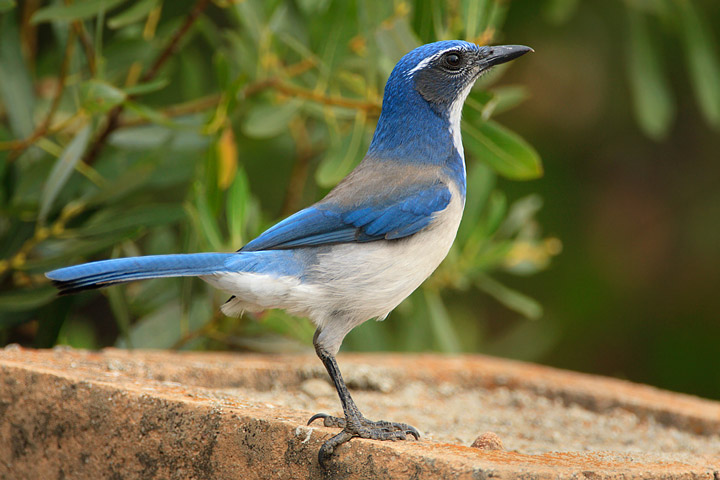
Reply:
x=363 y=428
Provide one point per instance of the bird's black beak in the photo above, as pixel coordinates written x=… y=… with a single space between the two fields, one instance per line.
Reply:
x=495 y=55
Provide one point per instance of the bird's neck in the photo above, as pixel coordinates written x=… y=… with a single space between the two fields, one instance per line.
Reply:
x=414 y=133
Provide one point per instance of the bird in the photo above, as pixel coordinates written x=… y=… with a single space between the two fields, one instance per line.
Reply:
x=360 y=251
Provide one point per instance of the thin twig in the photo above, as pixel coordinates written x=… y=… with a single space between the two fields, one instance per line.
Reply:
x=81 y=32
x=172 y=45
x=292 y=90
x=179 y=110
x=112 y=121
x=277 y=84
x=252 y=89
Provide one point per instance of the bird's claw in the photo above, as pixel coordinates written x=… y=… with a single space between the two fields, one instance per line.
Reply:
x=328 y=420
x=360 y=427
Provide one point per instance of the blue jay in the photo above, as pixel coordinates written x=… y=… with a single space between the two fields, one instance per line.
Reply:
x=357 y=253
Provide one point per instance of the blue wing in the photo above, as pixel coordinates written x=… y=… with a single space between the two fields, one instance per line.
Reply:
x=380 y=215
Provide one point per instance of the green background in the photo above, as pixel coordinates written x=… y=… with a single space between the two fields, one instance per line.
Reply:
x=590 y=240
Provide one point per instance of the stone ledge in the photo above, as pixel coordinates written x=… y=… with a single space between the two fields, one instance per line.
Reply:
x=144 y=414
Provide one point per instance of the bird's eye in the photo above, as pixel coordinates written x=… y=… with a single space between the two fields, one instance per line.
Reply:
x=452 y=60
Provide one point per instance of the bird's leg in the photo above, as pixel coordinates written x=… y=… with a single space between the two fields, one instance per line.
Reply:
x=354 y=424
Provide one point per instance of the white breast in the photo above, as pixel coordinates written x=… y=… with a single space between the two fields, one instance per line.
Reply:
x=352 y=282
x=364 y=281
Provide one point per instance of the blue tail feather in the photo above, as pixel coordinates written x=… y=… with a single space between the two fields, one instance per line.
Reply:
x=119 y=270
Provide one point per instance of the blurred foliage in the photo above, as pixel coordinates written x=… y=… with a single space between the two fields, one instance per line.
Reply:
x=156 y=127
x=152 y=127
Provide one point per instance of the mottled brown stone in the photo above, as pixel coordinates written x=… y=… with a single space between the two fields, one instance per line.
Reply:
x=115 y=414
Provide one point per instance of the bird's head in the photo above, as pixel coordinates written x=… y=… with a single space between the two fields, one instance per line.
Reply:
x=444 y=72
x=427 y=88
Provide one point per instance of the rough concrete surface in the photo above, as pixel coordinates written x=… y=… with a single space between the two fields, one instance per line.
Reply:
x=117 y=414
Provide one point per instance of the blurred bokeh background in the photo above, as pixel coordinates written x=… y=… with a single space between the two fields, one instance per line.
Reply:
x=590 y=240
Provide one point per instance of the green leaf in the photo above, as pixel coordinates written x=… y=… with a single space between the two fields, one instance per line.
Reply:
x=6 y=5
x=125 y=183
x=121 y=312
x=480 y=182
x=505 y=151
x=149 y=87
x=442 y=326
x=22 y=300
x=702 y=61
x=512 y=299
x=474 y=11
x=205 y=221
x=495 y=212
x=111 y=221
x=343 y=156
x=265 y=121
x=521 y=213
x=16 y=87
x=136 y=12
x=250 y=14
x=77 y=334
x=652 y=98
x=149 y=114
x=100 y=97
x=150 y=137
x=76 y=11
x=238 y=202
x=507 y=97
x=67 y=251
x=61 y=171
x=161 y=328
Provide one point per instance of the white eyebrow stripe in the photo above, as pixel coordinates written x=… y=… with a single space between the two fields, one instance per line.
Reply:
x=423 y=63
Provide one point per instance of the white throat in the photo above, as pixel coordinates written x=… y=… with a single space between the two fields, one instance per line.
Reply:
x=455 y=118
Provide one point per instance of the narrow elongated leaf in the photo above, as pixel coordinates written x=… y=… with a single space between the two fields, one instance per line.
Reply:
x=74 y=11
x=143 y=88
x=227 y=158
x=21 y=300
x=503 y=99
x=16 y=91
x=342 y=157
x=473 y=12
x=505 y=151
x=521 y=213
x=652 y=98
x=134 y=13
x=238 y=201
x=480 y=181
x=495 y=212
x=512 y=299
x=112 y=221
x=64 y=251
x=161 y=328
x=702 y=60
x=121 y=311
x=205 y=221
x=443 y=328
x=250 y=14
x=265 y=121
x=61 y=171
x=100 y=97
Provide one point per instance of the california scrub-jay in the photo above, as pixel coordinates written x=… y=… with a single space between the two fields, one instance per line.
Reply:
x=357 y=253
